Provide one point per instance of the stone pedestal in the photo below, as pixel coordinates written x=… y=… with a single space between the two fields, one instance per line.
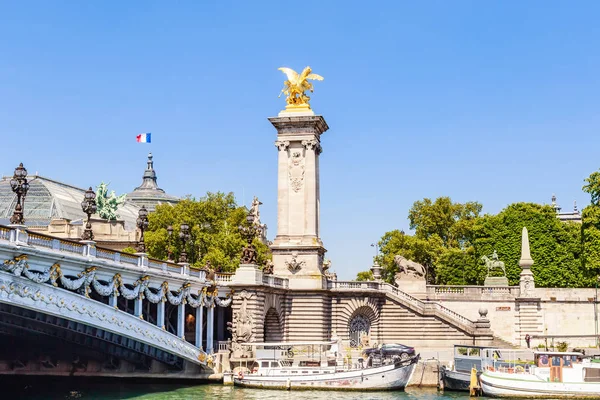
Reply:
x=297 y=249
x=247 y=275
x=412 y=284
x=496 y=281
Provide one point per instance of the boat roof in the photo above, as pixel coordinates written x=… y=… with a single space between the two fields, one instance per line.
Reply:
x=558 y=353
x=470 y=346
x=289 y=343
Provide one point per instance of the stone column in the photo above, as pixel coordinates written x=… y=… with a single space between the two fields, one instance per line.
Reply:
x=160 y=314
x=210 y=319
x=112 y=300
x=297 y=249
x=137 y=306
x=181 y=320
x=199 y=327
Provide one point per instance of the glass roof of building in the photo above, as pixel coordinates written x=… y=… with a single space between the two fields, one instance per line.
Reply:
x=48 y=199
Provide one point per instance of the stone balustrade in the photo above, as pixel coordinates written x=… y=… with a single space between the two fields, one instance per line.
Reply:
x=435 y=292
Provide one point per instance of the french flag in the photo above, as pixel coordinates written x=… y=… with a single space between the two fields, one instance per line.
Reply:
x=143 y=138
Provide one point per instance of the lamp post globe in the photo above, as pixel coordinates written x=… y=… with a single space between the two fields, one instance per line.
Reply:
x=142 y=223
x=19 y=186
x=184 y=235
x=89 y=207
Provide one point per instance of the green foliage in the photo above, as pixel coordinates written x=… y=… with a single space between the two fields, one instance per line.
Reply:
x=593 y=187
x=129 y=250
x=460 y=267
x=215 y=237
x=451 y=222
x=555 y=245
x=424 y=251
x=364 y=276
x=562 y=346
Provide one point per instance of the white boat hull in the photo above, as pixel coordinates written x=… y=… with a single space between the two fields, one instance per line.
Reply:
x=388 y=377
x=498 y=384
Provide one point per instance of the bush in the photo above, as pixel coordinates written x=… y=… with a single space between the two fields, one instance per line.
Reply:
x=562 y=346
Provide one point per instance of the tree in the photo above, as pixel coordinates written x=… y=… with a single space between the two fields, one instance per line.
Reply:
x=590 y=228
x=459 y=267
x=364 y=276
x=215 y=237
x=555 y=245
x=451 y=222
x=423 y=251
x=593 y=187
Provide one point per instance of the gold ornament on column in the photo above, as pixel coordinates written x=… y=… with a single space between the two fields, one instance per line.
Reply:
x=295 y=86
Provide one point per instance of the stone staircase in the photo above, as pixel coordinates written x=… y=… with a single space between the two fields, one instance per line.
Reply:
x=401 y=325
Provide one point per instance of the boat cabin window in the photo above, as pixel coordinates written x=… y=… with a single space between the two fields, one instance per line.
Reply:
x=274 y=364
x=567 y=362
x=474 y=352
x=264 y=364
x=591 y=374
x=542 y=360
x=556 y=361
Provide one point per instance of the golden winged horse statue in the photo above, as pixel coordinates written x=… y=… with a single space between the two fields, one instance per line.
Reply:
x=295 y=86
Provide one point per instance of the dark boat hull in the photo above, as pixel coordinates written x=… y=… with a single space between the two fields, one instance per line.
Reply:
x=456 y=381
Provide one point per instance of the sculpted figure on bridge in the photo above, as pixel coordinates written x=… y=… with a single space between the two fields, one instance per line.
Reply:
x=409 y=268
x=241 y=327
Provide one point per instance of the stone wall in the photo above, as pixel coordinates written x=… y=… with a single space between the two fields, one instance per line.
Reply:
x=562 y=311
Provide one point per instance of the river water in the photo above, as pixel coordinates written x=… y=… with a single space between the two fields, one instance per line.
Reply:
x=78 y=388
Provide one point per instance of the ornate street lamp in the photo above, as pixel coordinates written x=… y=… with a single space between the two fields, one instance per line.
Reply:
x=249 y=233
x=88 y=205
x=184 y=235
x=19 y=185
x=142 y=224
x=169 y=240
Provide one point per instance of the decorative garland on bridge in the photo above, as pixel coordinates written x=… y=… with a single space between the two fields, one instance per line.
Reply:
x=141 y=289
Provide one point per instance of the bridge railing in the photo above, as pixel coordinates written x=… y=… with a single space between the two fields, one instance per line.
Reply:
x=88 y=249
x=476 y=292
x=275 y=281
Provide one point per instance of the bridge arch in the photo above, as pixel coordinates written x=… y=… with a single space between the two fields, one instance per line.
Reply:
x=273 y=328
x=360 y=317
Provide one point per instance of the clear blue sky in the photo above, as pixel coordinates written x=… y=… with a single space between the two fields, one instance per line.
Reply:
x=489 y=101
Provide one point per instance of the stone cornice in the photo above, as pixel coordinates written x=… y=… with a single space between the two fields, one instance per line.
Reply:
x=305 y=124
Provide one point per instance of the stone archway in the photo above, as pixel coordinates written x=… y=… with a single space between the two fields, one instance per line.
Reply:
x=358 y=326
x=272 y=329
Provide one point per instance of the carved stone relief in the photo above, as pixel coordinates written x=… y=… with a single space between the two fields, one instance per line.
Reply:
x=294 y=265
x=296 y=170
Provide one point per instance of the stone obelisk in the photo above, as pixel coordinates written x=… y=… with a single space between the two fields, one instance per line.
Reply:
x=297 y=249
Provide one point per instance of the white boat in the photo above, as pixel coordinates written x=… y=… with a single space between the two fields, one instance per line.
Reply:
x=551 y=375
x=275 y=368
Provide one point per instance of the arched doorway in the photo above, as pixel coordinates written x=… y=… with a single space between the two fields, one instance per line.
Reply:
x=358 y=326
x=273 y=331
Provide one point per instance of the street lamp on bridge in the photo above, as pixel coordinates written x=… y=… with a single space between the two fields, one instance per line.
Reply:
x=89 y=207
x=19 y=185
x=142 y=223
x=184 y=235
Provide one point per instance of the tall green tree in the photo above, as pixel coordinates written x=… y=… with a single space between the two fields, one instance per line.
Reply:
x=555 y=245
x=425 y=251
x=590 y=229
x=215 y=237
x=451 y=222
